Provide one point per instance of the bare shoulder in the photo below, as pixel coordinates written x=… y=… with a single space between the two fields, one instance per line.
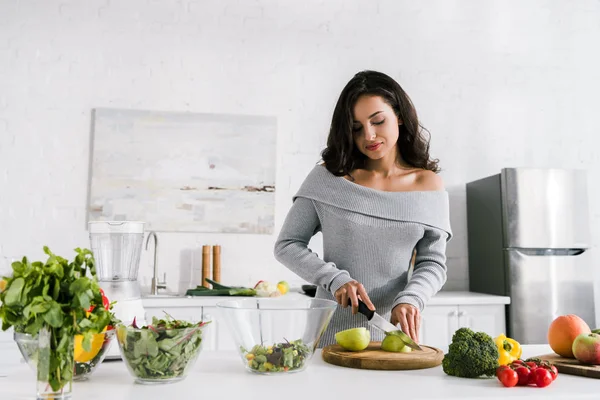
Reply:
x=429 y=180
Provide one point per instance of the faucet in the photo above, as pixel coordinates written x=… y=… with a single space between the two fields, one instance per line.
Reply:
x=156 y=284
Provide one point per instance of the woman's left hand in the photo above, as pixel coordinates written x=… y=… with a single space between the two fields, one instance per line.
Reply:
x=409 y=318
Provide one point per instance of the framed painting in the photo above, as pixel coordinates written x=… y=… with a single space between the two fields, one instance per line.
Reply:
x=183 y=172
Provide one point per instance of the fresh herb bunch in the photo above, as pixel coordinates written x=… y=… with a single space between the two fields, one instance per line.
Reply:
x=281 y=357
x=162 y=350
x=55 y=295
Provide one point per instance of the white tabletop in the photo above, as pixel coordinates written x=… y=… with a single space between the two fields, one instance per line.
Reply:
x=220 y=375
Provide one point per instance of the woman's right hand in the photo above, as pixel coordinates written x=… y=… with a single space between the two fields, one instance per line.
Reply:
x=352 y=291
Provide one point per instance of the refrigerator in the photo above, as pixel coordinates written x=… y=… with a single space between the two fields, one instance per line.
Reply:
x=528 y=238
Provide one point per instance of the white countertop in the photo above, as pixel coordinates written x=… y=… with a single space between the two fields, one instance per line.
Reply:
x=221 y=375
x=440 y=299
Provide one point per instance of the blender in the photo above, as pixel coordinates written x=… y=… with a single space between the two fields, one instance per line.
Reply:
x=117 y=246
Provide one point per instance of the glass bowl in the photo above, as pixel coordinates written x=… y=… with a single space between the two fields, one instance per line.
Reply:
x=28 y=346
x=276 y=335
x=159 y=355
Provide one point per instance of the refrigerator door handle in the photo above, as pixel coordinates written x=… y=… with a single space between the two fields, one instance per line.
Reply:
x=534 y=252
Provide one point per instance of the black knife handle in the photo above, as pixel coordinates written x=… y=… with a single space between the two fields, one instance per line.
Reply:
x=363 y=309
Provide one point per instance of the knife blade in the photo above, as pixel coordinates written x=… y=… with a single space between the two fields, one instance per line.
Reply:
x=384 y=325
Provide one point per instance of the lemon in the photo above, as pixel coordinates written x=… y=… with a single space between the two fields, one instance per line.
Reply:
x=355 y=339
x=283 y=287
x=394 y=344
x=82 y=356
x=2 y=285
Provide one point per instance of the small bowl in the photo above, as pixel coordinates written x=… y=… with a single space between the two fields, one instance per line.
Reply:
x=155 y=356
x=276 y=335
x=28 y=346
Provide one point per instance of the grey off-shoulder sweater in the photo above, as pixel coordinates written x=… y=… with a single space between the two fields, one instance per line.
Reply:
x=369 y=236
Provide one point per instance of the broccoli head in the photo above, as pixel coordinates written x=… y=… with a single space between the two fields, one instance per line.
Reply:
x=471 y=355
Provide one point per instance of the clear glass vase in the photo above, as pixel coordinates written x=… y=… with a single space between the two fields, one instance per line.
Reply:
x=54 y=365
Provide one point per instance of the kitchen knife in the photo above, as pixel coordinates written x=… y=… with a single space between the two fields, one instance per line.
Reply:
x=381 y=323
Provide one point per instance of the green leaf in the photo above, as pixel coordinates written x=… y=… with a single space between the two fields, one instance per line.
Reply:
x=146 y=346
x=54 y=316
x=169 y=346
x=18 y=268
x=87 y=341
x=14 y=291
x=64 y=343
x=80 y=285
x=37 y=306
x=84 y=300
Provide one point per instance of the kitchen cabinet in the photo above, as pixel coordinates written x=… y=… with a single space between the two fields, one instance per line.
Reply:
x=438 y=323
x=220 y=335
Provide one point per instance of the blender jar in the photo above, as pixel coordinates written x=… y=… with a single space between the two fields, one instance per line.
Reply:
x=117 y=246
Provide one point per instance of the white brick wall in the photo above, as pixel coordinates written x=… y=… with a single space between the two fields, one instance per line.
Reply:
x=497 y=84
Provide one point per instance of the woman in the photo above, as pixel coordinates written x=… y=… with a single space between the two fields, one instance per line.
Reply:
x=377 y=200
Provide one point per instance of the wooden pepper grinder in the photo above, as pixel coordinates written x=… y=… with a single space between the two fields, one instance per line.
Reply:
x=216 y=263
x=205 y=265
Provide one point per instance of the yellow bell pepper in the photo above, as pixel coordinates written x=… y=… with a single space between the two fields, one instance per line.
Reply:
x=509 y=350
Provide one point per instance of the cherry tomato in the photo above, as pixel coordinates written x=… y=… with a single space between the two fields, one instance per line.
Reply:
x=531 y=364
x=542 y=377
x=523 y=373
x=518 y=362
x=532 y=376
x=553 y=371
x=508 y=377
x=500 y=368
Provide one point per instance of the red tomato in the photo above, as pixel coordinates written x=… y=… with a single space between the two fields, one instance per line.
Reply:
x=553 y=371
x=518 y=362
x=531 y=364
x=542 y=377
x=523 y=373
x=532 y=376
x=500 y=368
x=508 y=377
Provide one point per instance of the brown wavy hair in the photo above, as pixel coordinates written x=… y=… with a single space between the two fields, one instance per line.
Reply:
x=341 y=156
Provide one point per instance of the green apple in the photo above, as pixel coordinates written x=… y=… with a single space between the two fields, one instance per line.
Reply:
x=393 y=343
x=355 y=339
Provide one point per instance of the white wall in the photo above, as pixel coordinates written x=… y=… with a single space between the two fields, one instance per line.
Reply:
x=498 y=83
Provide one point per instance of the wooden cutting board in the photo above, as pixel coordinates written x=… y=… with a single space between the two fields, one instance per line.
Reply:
x=572 y=367
x=375 y=358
